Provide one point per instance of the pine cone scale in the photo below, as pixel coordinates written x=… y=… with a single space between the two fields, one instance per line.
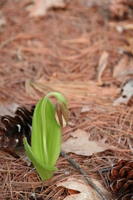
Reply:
x=119 y=179
x=130 y=174
x=13 y=129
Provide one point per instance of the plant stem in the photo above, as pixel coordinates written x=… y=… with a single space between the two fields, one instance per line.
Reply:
x=63 y=154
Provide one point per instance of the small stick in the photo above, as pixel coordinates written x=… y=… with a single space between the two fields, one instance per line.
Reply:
x=63 y=154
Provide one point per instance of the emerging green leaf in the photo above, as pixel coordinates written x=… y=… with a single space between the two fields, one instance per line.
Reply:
x=46 y=134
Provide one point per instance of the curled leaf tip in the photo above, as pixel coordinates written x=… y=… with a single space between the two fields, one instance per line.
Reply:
x=61 y=114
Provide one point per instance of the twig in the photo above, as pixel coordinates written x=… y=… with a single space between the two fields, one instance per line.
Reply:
x=63 y=154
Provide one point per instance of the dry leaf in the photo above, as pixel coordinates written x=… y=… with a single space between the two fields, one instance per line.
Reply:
x=119 y=29
x=127 y=93
x=120 y=68
x=7 y=108
x=121 y=26
x=95 y=109
x=85 y=109
x=2 y=21
x=129 y=48
x=40 y=7
x=129 y=40
x=128 y=26
x=102 y=65
x=123 y=69
x=86 y=192
x=79 y=144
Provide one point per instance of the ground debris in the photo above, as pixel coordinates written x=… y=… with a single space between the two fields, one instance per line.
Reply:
x=61 y=52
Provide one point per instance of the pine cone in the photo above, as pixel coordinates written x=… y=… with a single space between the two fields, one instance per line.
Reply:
x=121 y=179
x=13 y=129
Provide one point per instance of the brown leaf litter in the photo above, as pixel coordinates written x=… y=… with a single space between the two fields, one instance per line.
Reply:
x=39 y=8
x=79 y=189
x=62 y=51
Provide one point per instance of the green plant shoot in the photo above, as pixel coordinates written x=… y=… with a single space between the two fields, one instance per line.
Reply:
x=46 y=134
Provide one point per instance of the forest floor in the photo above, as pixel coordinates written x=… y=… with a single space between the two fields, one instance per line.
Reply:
x=84 y=52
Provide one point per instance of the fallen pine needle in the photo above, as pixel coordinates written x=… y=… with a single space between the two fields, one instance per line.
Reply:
x=63 y=154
